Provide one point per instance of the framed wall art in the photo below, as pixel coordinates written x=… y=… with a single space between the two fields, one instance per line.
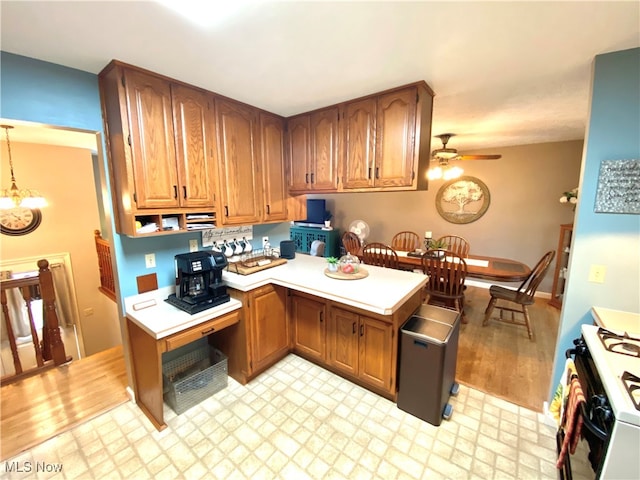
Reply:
x=463 y=200
x=618 y=190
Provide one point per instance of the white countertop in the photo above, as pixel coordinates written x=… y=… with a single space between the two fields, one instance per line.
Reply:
x=160 y=319
x=383 y=291
x=616 y=320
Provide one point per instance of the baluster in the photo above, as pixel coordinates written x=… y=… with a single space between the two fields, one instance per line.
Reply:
x=12 y=338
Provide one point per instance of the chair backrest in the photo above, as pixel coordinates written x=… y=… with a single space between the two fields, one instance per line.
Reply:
x=405 y=241
x=447 y=272
x=380 y=254
x=456 y=244
x=317 y=248
x=532 y=282
x=351 y=243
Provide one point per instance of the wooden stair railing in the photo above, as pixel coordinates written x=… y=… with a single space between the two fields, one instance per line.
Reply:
x=107 y=282
x=50 y=352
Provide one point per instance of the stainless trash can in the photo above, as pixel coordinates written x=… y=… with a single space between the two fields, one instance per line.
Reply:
x=428 y=351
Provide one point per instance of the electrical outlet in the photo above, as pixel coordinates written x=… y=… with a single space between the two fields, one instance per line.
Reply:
x=596 y=273
x=150 y=260
x=265 y=239
x=193 y=245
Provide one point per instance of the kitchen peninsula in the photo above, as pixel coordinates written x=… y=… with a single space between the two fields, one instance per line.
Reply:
x=350 y=327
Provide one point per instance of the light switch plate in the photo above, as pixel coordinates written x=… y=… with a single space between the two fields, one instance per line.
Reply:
x=596 y=273
x=150 y=260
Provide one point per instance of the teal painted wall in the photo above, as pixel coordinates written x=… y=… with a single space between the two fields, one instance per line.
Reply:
x=612 y=240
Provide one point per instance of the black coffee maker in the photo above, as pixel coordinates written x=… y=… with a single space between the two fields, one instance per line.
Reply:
x=199 y=284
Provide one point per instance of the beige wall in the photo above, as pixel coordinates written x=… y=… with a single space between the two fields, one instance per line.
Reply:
x=65 y=177
x=523 y=219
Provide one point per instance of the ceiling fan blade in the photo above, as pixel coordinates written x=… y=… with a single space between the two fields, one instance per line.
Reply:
x=479 y=157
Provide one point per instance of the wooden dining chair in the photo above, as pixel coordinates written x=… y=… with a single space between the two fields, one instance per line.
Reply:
x=456 y=244
x=516 y=301
x=446 y=271
x=405 y=241
x=380 y=254
x=351 y=243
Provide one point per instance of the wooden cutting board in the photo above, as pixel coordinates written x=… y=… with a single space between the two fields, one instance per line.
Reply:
x=242 y=270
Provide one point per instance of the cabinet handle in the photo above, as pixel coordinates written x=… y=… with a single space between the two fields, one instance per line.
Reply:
x=207 y=332
x=268 y=209
x=226 y=211
x=377 y=173
x=353 y=328
x=321 y=315
x=175 y=191
x=361 y=330
x=311 y=177
x=306 y=178
x=184 y=192
x=369 y=175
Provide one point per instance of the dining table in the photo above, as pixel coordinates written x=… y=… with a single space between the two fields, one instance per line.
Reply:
x=478 y=266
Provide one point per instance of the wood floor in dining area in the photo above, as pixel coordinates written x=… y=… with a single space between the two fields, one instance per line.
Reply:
x=42 y=406
x=499 y=359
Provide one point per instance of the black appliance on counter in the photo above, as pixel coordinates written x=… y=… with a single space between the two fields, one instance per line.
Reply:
x=199 y=283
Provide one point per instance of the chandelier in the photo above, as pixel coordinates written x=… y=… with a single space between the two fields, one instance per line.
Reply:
x=16 y=197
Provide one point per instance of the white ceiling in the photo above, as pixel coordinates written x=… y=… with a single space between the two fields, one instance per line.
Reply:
x=504 y=73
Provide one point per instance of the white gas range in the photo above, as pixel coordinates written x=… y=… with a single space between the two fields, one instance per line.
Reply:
x=612 y=390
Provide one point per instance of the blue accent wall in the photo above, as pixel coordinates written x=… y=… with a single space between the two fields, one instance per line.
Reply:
x=608 y=239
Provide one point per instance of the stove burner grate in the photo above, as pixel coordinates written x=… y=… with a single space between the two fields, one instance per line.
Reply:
x=622 y=344
x=632 y=384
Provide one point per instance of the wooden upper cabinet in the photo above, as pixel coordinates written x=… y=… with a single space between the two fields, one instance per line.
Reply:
x=155 y=173
x=395 y=137
x=313 y=151
x=383 y=143
x=324 y=149
x=195 y=146
x=359 y=130
x=274 y=184
x=238 y=167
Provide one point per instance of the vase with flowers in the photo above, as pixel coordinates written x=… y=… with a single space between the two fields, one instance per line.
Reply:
x=570 y=197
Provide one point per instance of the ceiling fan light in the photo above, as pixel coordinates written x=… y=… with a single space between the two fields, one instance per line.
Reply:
x=447 y=153
x=453 y=172
x=434 y=173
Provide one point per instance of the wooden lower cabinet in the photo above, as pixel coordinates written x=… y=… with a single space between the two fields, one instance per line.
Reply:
x=309 y=328
x=361 y=346
x=261 y=338
x=268 y=326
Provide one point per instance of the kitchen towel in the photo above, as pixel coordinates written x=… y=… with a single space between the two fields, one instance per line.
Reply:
x=572 y=420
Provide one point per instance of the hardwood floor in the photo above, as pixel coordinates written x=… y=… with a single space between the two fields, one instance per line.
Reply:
x=43 y=406
x=499 y=359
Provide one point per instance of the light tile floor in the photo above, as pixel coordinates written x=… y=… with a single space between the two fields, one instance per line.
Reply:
x=299 y=421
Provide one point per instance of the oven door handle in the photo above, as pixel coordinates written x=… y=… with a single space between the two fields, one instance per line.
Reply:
x=593 y=428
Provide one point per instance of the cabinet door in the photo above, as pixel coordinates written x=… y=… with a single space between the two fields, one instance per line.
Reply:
x=299 y=153
x=324 y=149
x=239 y=172
x=342 y=340
x=194 y=122
x=359 y=144
x=395 y=132
x=273 y=177
x=376 y=347
x=308 y=327
x=152 y=140
x=269 y=326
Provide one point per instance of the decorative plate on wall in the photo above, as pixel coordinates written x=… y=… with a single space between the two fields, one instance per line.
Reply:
x=463 y=200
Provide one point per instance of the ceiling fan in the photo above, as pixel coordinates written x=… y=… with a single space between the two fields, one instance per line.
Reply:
x=444 y=154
